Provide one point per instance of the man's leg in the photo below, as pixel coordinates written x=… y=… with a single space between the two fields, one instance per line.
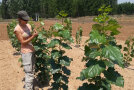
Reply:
x=29 y=77
x=28 y=69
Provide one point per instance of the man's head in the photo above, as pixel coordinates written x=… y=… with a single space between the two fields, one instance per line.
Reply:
x=23 y=15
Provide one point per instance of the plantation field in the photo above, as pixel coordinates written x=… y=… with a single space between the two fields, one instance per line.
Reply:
x=11 y=75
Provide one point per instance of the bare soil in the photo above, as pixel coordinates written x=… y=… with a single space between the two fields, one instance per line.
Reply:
x=11 y=74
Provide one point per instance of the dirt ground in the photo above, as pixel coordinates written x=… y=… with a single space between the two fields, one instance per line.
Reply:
x=11 y=74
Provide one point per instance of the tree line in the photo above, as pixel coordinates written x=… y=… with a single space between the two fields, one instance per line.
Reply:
x=50 y=8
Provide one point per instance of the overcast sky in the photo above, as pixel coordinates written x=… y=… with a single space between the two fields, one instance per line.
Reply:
x=119 y=1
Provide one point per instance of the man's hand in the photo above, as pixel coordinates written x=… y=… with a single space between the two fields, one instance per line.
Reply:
x=35 y=33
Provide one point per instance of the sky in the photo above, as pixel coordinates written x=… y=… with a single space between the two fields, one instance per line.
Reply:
x=122 y=1
x=119 y=1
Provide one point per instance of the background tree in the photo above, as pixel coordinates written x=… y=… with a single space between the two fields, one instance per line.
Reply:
x=13 y=7
x=0 y=10
x=50 y=8
x=125 y=8
x=4 y=8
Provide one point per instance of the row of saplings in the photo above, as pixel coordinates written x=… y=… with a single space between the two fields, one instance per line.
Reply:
x=101 y=52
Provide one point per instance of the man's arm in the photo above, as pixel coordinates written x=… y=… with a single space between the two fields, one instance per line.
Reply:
x=22 y=41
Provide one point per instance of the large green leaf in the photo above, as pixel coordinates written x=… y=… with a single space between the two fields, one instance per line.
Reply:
x=114 y=54
x=95 y=68
x=58 y=26
x=113 y=22
x=36 y=48
x=114 y=77
x=65 y=60
x=55 y=86
x=65 y=45
x=66 y=71
x=87 y=86
x=63 y=14
x=64 y=86
x=55 y=68
x=87 y=50
x=91 y=51
x=97 y=38
x=113 y=29
x=94 y=54
x=97 y=27
x=53 y=43
x=57 y=77
x=55 y=54
x=45 y=56
x=106 y=85
x=39 y=46
x=109 y=63
x=113 y=26
x=40 y=39
x=56 y=34
x=40 y=61
x=68 y=21
x=65 y=79
x=40 y=36
x=65 y=34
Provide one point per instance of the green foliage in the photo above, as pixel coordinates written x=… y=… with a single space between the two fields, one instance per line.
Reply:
x=114 y=77
x=114 y=54
x=50 y=8
x=128 y=51
x=96 y=37
x=20 y=60
x=62 y=14
x=42 y=55
x=0 y=10
x=59 y=61
x=78 y=36
x=101 y=54
x=94 y=68
x=68 y=25
x=14 y=41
